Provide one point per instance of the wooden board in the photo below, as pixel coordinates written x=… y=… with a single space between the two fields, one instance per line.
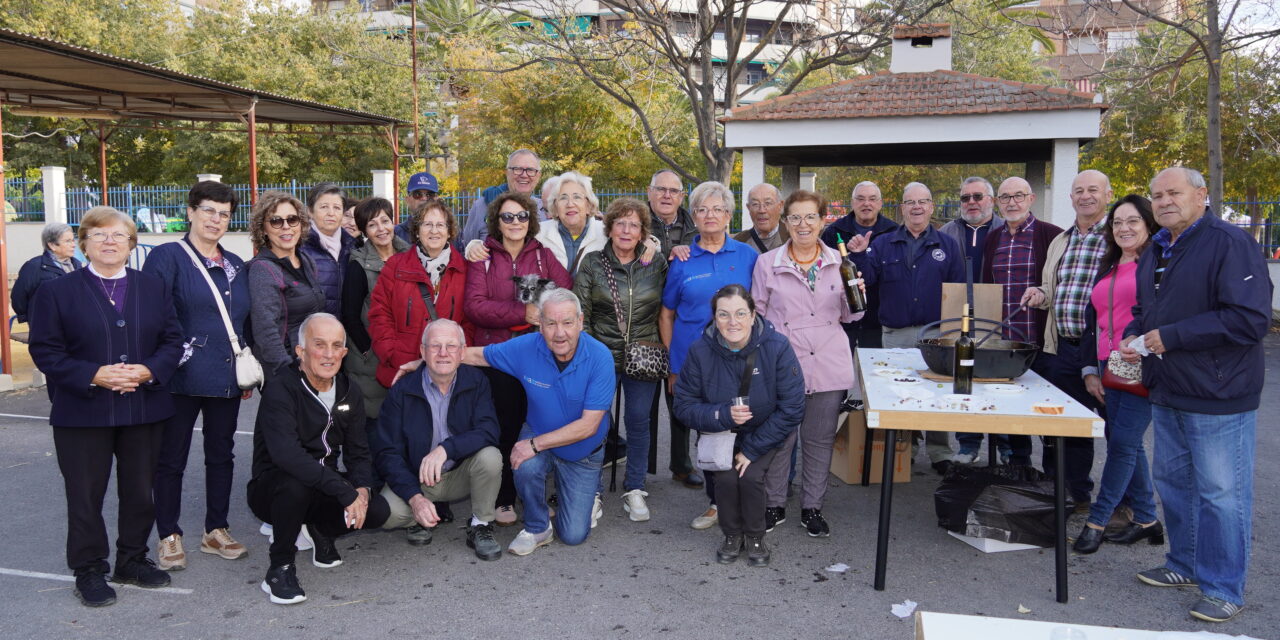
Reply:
x=987 y=300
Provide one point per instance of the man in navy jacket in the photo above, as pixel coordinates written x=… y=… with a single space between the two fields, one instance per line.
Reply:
x=1204 y=300
x=863 y=217
x=437 y=439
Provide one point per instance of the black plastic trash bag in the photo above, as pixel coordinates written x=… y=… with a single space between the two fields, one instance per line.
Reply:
x=1005 y=503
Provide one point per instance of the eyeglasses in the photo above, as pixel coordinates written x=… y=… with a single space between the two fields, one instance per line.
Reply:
x=759 y=204
x=706 y=211
x=567 y=198
x=421 y=194
x=278 y=222
x=808 y=218
x=911 y=203
x=434 y=226
x=973 y=197
x=524 y=171
x=739 y=315
x=865 y=199
x=1004 y=198
x=445 y=348
x=101 y=236
x=210 y=212
x=512 y=218
x=1131 y=223
x=667 y=191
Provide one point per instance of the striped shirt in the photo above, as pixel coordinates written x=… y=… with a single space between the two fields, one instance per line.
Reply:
x=1014 y=267
x=1075 y=278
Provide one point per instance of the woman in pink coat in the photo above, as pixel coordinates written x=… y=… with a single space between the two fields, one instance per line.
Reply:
x=493 y=306
x=798 y=288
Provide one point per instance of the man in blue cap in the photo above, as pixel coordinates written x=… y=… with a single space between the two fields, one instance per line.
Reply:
x=422 y=189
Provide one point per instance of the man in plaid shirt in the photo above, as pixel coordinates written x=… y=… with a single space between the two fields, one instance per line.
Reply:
x=1067 y=278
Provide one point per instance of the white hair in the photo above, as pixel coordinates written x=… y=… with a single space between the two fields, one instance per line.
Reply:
x=319 y=315
x=912 y=185
x=865 y=183
x=653 y=182
x=581 y=181
x=556 y=295
x=1194 y=178
x=523 y=152
x=984 y=181
x=708 y=189
x=549 y=187
x=776 y=193
x=446 y=323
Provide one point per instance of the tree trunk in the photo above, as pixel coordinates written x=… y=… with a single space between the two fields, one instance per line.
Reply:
x=1213 y=41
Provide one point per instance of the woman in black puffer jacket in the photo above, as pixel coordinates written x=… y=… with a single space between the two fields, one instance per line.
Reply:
x=710 y=380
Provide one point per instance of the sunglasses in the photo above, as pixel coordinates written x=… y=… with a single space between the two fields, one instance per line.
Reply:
x=422 y=195
x=974 y=197
x=512 y=218
x=278 y=222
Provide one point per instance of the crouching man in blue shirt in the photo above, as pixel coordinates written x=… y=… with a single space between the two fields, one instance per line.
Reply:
x=568 y=378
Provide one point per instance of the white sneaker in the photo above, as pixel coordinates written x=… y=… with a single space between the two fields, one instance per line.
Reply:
x=597 y=510
x=633 y=503
x=964 y=458
x=303 y=542
x=708 y=519
x=526 y=542
x=265 y=529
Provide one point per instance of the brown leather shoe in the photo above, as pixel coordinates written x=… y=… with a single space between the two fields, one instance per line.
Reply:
x=220 y=543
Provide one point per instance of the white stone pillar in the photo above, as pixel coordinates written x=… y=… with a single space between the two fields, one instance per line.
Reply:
x=1035 y=176
x=790 y=179
x=384 y=183
x=54 y=183
x=214 y=177
x=809 y=181
x=1066 y=164
x=752 y=175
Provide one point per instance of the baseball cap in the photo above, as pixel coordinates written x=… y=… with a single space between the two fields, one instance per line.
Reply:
x=423 y=182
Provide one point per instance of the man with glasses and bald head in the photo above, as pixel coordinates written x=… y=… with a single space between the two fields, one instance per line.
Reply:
x=524 y=170
x=764 y=203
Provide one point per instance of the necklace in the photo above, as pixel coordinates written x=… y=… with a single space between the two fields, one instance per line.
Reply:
x=112 y=294
x=791 y=251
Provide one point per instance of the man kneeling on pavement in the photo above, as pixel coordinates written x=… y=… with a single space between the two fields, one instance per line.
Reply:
x=309 y=415
x=436 y=441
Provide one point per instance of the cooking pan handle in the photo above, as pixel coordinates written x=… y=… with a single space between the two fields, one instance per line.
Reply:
x=995 y=326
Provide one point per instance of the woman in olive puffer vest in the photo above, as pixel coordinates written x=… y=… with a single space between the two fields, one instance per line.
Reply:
x=639 y=289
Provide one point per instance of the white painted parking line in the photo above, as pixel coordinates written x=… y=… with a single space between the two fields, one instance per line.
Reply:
x=239 y=433
x=18 y=415
x=65 y=578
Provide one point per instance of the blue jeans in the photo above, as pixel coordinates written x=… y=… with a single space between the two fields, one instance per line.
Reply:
x=1204 y=473
x=637 y=401
x=576 y=482
x=1127 y=471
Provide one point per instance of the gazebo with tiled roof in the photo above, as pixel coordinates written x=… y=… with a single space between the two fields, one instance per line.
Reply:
x=921 y=112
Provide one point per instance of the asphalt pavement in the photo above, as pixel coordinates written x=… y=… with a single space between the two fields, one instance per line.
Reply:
x=628 y=580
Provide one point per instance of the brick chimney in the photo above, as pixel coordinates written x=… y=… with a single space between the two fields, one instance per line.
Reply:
x=921 y=47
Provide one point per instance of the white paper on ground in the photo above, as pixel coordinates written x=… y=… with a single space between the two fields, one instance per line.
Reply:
x=838 y=567
x=905 y=609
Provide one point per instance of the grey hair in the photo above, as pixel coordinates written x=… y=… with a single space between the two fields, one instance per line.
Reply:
x=1194 y=178
x=319 y=315
x=549 y=187
x=581 y=181
x=553 y=296
x=984 y=181
x=708 y=189
x=776 y=193
x=866 y=183
x=912 y=185
x=52 y=231
x=520 y=152
x=444 y=322
x=654 y=180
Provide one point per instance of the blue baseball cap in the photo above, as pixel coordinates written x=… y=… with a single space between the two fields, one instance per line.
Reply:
x=423 y=182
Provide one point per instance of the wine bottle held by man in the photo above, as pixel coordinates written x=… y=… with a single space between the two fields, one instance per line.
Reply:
x=851 y=278
x=962 y=367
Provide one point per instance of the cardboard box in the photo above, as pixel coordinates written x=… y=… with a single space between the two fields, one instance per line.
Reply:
x=988 y=301
x=847 y=452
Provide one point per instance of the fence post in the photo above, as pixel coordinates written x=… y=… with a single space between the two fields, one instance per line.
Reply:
x=54 y=181
x=216 y=177
x=384 y=183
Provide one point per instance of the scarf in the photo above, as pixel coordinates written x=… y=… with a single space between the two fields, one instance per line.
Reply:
x=435 y=267
x=332 y=244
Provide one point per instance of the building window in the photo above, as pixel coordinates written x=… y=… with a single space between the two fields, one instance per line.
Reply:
x=752 y=35
x=1120 y=40
x=1083 y=44
x=754 y=73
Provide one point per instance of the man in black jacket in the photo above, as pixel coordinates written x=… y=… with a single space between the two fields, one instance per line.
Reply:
x=436 y=440
x=310 y=413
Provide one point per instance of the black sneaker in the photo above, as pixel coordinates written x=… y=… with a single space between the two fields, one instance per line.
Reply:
x=1214 y=610
x=814 y=523
x=850 y=404
x=324 y=553
x=444 y=512
x=1162 y=577
x=142 y=572
x=729 y=549
x=757 y=552
x=281 y=584
x=480 y=537
x=93 y=590
x=774 y=516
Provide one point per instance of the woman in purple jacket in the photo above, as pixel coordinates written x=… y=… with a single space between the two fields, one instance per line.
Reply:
x=798 y=288
x=492 y=303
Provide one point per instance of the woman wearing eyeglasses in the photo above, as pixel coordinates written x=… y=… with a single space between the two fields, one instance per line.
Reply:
x=283 y=287
x=493 y=307
x=575 y=229
x=109 y=341
x=714 y=260
x=798 y=288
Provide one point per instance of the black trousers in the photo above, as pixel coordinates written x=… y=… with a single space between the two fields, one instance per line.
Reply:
x=280 y=500
x=219 y=468
x=85 y=457
x=512 y=407
x=742 y=500
x=1062 y=370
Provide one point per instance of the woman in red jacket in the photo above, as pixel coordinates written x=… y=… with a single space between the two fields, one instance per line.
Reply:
x=493 y=306
x=415 y=286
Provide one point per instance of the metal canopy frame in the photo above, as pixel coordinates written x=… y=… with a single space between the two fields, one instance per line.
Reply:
x=48 y=78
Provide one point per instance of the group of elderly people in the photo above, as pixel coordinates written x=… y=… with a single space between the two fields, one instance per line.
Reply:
x=483 y=361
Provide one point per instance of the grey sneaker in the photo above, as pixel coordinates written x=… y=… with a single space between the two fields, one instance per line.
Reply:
x=417 y=535
x=1162 y=577
x=525 y=542
x=1214 y=610
x=480 y=537
x=633 y=503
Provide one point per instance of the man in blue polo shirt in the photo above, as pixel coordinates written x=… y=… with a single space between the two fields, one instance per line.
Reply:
x=568 y=378
x=910 y=265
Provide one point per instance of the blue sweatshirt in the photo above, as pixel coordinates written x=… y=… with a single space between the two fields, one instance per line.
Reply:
x=910 y=285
